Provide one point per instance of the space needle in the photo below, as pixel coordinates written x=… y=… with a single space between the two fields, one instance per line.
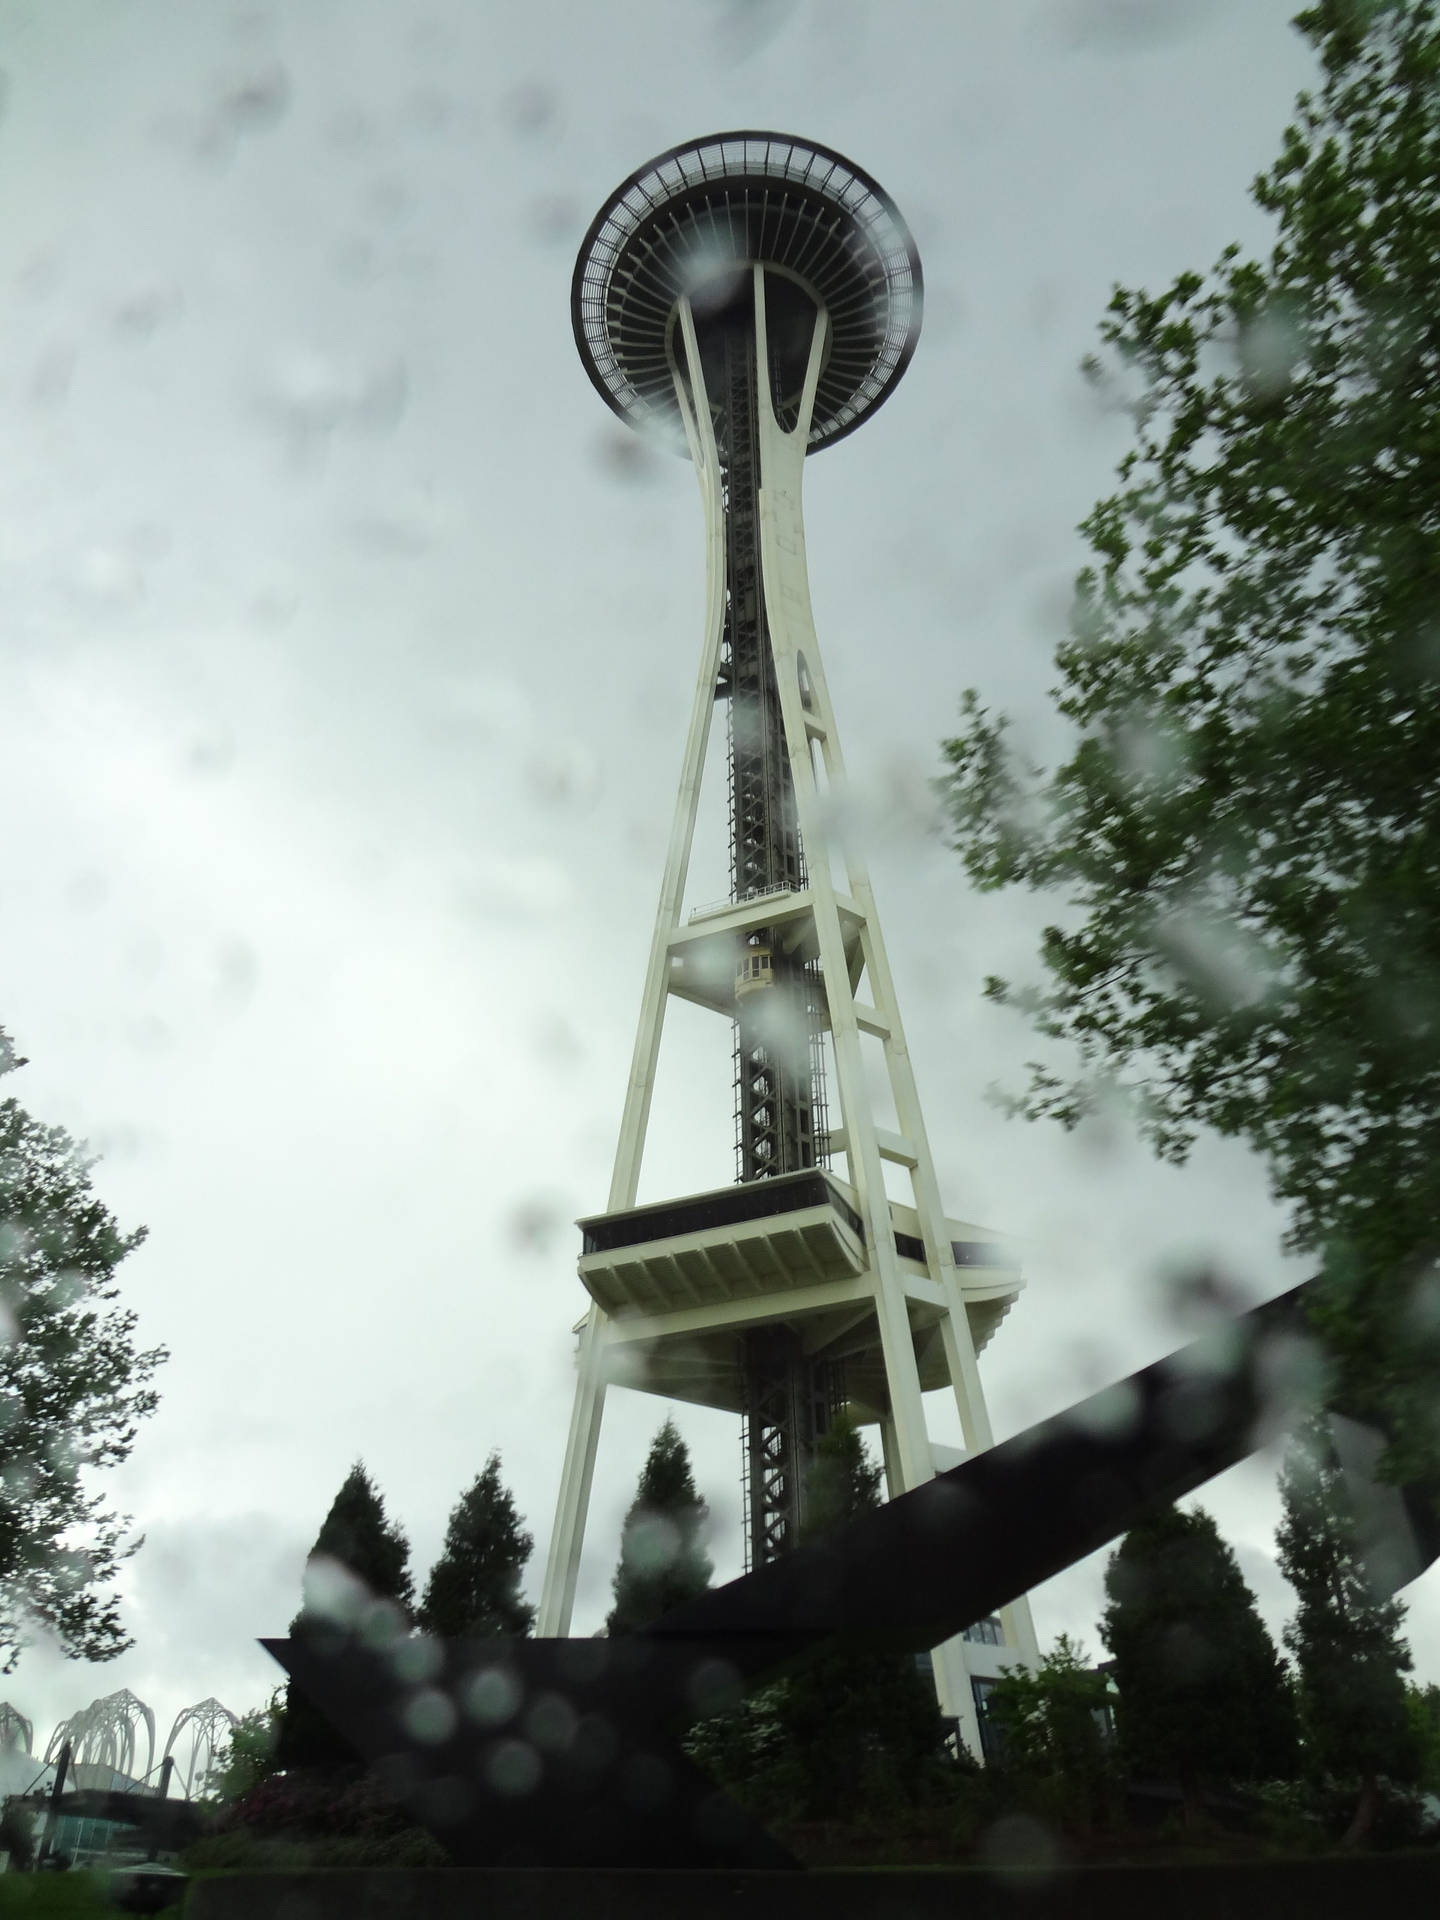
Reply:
x=753 y=298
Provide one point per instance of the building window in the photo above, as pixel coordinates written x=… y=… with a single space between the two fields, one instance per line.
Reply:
x=990 y=1744
x=987 y=1632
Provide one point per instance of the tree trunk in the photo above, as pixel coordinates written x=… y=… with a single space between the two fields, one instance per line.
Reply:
x=1363 y=1818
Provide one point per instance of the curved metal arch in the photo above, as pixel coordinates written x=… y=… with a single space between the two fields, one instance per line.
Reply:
x=104 y=1734
x=15 y=1730
x=209 y=1724
x=725 y=202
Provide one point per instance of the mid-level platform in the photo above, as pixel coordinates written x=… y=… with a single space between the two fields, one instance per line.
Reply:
x=680 y=1281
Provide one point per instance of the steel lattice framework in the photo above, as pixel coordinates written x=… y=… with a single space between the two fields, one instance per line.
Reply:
x=104 y=1734
x=15 y=1730
x=209 y=1725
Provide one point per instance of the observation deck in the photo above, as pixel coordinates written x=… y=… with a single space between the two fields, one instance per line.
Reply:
x=678 y=1279
x=689 y=222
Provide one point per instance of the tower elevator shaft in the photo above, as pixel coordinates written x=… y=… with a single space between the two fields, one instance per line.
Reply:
x=791 y=1396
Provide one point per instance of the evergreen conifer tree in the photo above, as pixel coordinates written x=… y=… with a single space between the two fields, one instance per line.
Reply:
x=359 y=1560
x=854 y=1728
x=474 y=1587
x=1345 y=1640
x=662 y=1552
x=1203 y=1696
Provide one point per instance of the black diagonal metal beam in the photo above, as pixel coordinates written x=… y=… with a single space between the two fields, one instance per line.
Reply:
x=565 y=1752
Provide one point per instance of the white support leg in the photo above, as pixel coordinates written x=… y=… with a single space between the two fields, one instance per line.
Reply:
x=562 y=1566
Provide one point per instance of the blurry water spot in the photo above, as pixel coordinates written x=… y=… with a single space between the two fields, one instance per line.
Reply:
x=534 y=1223
x=152 y=1035
x=429 y=1717
x=87 y=890
x=557 y=1045
x=1111 y=1413
x=105 y=577
x=746 y=27
x=416 y=1660
x=530 y=110
x=381 y=1623
x=513 y=1767
x=142 y=313
x=385 y=537
x=352 y=129
x=552 y=218
x=1269 y=348
x=429 y=110
x=252 y=99
x=492 y=1696
x=211 y=754
x=1422 y=1312
x=552 y=1723
x=625 y=456
x=651 y=1544
x=715 y=1687
x=330 y=1590
x=237 y=973
x=389 y=199
x=1129 y=26
x=51 y=375
x=1198 y=1297
x=1019 y=1842
x=310 y=395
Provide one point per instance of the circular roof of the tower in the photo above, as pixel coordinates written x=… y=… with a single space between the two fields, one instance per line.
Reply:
x=731 y=200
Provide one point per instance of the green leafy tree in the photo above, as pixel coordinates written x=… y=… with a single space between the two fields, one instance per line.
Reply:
x=357 y=1574
x=1245 y=836
x=73 y=1389
x=1053 y=1730
x=1203 y=1696
x=1345 y=1640
x=663 y=1561
x=854 y=1729
x=474 y=1587
x=249 y=1755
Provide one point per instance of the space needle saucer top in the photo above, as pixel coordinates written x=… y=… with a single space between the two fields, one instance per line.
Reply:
x=691 y=221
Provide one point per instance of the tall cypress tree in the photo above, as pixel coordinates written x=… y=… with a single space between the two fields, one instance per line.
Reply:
x=663 y=1561
x=474 y=1587
x=358 y=1559
x=1345 y=1639
x=1203 y=1695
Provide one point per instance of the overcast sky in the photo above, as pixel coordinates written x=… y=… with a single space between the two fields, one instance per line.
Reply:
x=347 y=652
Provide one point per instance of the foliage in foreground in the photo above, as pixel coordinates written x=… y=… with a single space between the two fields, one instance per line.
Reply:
x=1346 y=1641
x=1053 y=1734
x=358 y=1570
x=316 y=1817
x=474 y=1587
x=1245 y=840
x=854 y=1731
x=249 y=1755
x=1203 y=1695
x=73 y=1389
x=663 y=1561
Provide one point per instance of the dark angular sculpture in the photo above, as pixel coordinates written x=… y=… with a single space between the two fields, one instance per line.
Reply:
x=565 y=1753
